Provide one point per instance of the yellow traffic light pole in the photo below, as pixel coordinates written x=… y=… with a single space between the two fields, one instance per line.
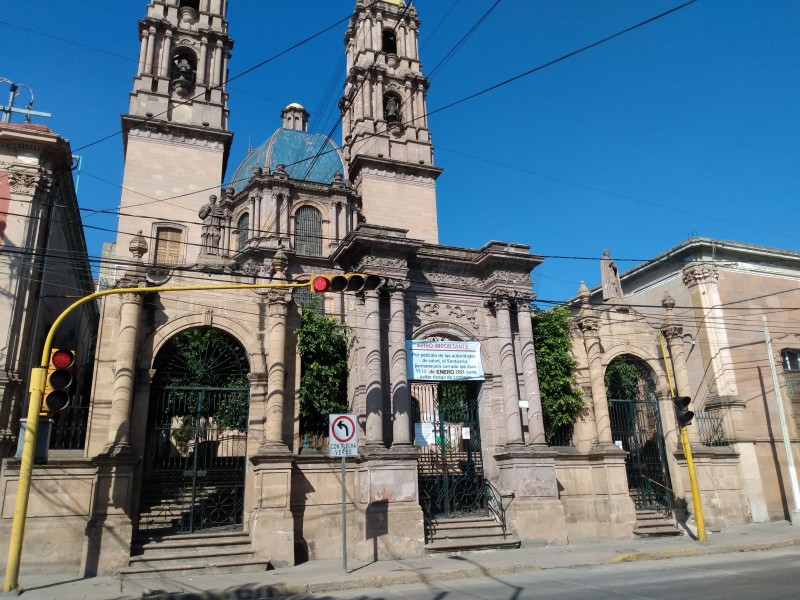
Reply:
x=687 y=452
x=35 y=407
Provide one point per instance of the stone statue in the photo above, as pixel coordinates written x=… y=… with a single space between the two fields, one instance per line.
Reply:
x=612 y=287
x=212 y=215
x=184 y=68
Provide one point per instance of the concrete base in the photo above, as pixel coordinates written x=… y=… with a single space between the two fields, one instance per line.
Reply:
x=388 y=517
x=271 y=521
x=536 y=514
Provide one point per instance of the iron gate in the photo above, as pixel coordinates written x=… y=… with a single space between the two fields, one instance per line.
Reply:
x=447 y=435
x=195 y=461
x=636 y=424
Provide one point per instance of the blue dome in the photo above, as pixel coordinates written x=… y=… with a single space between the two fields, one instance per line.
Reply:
x=306 y=156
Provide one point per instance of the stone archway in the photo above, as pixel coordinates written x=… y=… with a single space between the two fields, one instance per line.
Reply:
x=636 y=427
x=195 y=451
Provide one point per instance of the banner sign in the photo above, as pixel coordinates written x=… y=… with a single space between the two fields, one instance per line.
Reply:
x=444 y=360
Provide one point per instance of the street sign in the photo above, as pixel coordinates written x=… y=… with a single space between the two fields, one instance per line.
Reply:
x=343 y=435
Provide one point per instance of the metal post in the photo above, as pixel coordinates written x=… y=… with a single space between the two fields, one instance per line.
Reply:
x=794 y=515
x=687 y=452
x=38 y=374
x=344 y=514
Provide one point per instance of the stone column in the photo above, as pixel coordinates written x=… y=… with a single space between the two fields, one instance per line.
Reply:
x=276 y=372
x=508 y=368
x=420 y=98
x=202 y=67
x=151 y=49
x=143 y=51
x=401 y=397
x=216 y=63
x=379 y=97
x=251 y=207
x=589 y=325
x=166 y=50
x=673 y=334
x=359 y=106
x=125 y=355
x=226 y=233
x=372 y=379
x=530 y=374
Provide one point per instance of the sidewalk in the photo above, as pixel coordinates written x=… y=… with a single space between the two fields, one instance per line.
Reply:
x=328 y=576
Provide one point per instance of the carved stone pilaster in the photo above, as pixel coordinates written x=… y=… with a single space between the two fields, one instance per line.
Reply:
x=697 y=273
x=26 y=180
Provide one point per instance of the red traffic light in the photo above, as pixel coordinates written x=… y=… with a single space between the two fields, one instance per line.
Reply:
x=58 y=380
x=347 y=282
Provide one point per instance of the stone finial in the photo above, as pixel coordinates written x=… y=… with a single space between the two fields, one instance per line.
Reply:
x=279 y=264
x=668 y=302
x=583 y=292
x=229 y=192
x=138 y=245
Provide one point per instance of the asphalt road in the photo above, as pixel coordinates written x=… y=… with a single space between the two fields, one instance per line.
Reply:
x=769 y=575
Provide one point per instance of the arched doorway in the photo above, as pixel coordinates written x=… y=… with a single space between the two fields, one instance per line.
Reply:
x=636 y=427
x=448 y=440
x=194 y=464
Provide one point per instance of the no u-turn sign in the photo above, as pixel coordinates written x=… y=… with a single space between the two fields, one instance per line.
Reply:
x=343 y=435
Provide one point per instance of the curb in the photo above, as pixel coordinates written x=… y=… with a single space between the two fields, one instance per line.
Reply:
x=381 y=581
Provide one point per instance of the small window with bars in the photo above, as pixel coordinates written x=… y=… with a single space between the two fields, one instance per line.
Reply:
x=308 y=231
x=791 y=370
x=169 y=249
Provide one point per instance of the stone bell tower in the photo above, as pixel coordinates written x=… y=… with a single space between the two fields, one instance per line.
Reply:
x=175 y=134
x=384 y=119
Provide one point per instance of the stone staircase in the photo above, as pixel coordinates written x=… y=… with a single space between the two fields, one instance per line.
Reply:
x=468 y=533
x=180 y=555
x=652 y=523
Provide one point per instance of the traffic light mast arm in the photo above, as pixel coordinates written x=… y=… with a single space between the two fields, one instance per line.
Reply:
x=38 y=375
x=687 y=452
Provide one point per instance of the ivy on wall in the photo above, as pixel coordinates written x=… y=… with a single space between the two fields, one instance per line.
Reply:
x=322 y=344
x=562 y=401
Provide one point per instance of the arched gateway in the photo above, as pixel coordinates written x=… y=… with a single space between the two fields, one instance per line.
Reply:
x=636 y=427
x=194 y=463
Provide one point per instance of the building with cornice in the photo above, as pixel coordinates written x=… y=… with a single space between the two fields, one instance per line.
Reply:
x=45 y=267
x=693 y=320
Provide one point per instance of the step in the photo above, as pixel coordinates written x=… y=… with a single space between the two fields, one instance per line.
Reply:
x=172 y=544
x=143 y=571
x=465 y=545
x=663 y=531
x=167 y=558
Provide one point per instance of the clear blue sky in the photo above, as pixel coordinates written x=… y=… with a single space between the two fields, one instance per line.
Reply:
x=687 y=126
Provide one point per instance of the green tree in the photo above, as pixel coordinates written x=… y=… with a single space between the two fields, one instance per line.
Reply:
x=562 y=401
x=626 y=378
x=322 y=344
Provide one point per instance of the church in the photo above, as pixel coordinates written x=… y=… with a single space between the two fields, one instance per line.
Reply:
x=194 y=443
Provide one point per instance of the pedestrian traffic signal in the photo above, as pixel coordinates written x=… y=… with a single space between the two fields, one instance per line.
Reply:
x=59 y=380
x=347 y=282
x=682 y=412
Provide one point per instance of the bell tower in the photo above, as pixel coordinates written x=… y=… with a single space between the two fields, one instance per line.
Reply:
x=384 y=119
x=175 y=134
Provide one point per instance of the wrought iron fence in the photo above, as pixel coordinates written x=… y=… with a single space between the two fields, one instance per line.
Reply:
x=709 y=426
x=562 y=436
x=69 y=427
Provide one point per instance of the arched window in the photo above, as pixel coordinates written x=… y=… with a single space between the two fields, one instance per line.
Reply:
x=183 y=68
x=243 y=229
x=308 y=231
x=195 y=4
x=392 y=108
x=389 y=45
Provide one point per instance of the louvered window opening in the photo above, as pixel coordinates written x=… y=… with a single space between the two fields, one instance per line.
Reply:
x=242 y=229
x=308 y=231
x=168 y=246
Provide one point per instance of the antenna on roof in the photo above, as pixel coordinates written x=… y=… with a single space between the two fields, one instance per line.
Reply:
x=12 y=95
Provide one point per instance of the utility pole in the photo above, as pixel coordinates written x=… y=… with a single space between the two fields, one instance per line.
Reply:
x=12 y=94
x=794 y=514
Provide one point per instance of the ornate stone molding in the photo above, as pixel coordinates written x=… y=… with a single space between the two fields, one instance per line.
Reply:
x=589 y=326
x=695 y=274
x=25 y=181
x=672 y=331
x=470 y=315
x=429 y=309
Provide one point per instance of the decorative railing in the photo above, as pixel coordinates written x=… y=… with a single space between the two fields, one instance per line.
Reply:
x=495 y=503
x=562 y=436
x=710 y=428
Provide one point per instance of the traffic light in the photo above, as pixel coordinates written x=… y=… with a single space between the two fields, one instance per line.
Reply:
x=59 y=380
x=347 y=282
x=682 y=412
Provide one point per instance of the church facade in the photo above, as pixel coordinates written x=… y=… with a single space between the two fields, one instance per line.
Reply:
x=195 y=435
